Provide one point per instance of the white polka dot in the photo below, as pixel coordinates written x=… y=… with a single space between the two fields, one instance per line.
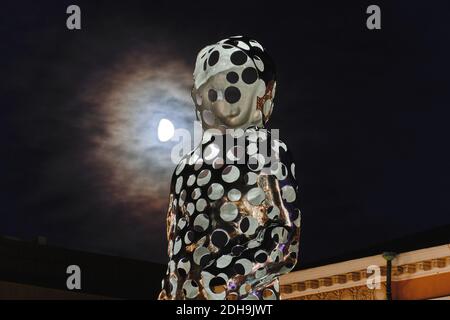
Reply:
x=234 y=195
x=186 y=237
x=230 y=174
x=178 y=185
x=181 y=166
x=243 y=45
x=196 y=193
x=253 y=244
x=256 y=44
x=191 y=180
x=293 y=169
x=177 y=246
x=201 y=205
x=190 y=208
x=251 y=178
x=288 y=193
x=215 y=191
x=201 y=222
x=252 y=148
x=224 y=261
x=218 y=163
x=204 y=177
x=255 y=196
x=198 y=164
x=258 y=62
x=199 y=253
x=228 y=211
x=182 y=198
x=182 y=223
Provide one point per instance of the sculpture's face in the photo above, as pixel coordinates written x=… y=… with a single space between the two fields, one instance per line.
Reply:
x=226 y=101
x=234 y=84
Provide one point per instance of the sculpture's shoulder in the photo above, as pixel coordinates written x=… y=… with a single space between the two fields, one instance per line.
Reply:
x=186 y=170
x=272 y=146
x=185 y=161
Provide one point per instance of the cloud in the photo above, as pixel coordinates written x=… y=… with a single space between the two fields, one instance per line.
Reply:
x=131 y=169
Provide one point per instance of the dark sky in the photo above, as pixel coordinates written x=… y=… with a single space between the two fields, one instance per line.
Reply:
x=365 y=114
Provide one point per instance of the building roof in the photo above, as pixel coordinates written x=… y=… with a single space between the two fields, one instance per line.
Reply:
x=45 y=266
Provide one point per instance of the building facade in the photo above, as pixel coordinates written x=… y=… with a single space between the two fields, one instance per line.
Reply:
x=415 y=275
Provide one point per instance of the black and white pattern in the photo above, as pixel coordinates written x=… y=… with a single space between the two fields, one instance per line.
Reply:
x=233 y=222
x=256 y=68
x=236 y=227
x=237 y=51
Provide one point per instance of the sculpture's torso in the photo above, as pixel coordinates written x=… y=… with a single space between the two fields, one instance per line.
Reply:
x=233 y=220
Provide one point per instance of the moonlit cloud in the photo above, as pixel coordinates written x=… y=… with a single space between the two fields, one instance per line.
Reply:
x=139 y=92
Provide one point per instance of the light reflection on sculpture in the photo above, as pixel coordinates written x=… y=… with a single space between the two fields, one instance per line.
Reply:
x=233 y=222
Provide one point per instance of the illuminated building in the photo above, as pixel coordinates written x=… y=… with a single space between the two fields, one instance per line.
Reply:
x=423 y=273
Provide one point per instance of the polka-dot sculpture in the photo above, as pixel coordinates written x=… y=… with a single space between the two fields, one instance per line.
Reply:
x=233 y=220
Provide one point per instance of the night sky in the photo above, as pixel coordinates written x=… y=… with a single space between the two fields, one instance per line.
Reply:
x=364 y=112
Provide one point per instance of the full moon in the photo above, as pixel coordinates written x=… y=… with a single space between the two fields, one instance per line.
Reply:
x=166 y=130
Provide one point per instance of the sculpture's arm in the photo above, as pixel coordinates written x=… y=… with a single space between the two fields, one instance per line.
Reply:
x=170 y=233
x=170 y=217
x=278 y=234
x=171 y=220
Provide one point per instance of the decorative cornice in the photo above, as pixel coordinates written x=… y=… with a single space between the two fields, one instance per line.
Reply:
x=335 y=280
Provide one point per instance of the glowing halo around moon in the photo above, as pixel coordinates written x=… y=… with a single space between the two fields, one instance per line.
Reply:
x=137 y=108
x=166 y=130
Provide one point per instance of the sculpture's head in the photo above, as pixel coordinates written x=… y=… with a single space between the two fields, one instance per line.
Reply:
x=234 y=84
